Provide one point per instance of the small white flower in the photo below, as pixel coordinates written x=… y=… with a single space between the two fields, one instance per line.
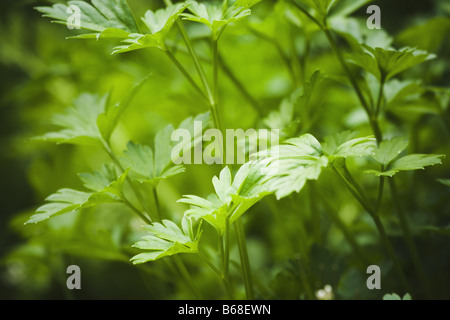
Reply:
x=325 y=294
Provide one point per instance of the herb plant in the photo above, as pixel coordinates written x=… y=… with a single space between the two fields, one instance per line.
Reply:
x=360 y=114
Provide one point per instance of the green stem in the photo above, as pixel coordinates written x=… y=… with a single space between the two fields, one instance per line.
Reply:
x=186 y=276
x=285 y=234
x=357 y=193
x=107 y=148
x=301 y=236
x=215 y=104
x=194 y=57
x=304 y=279
x=229 y=73
x=380 y=194
x=344 y=65
x=185 y=74
x=315 y=216
x=353 y=190
x=295 y=61
x=302 y=257
x=225 y=282
x=222 y=254
x=304 y=58
x=238 y=84
x=391 y=252
x=284 y=57
x=155 y=198
x=213 y=99
x=209 y=264
x=380 y=97
x=409 y=238
x=372 y=117
x=132 y=207
x=226 y=260
x=245 y=264
x=347 y=234
x=306 y=13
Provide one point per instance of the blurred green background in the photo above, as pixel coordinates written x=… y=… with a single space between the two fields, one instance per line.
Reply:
x=41 y=73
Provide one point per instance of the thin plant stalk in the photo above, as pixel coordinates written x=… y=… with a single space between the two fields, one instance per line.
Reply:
x=186 y=276
x=372 y=116
x=136 y=210
x=297 y=70
x=225 y=281
x=304 y=278
x=409 y=238
x=107 y=148
x=347 y=234
x=186 y=74
x=355 y=190
x=157 y=207
x=228 y=72
x=245 y=264
x=213 y=102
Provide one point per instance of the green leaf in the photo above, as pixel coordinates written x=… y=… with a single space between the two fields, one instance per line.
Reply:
x=366 y=61
x=430 y=35
x=212 y=210
x=356 y=33
x=318 y=10
x=392 y=296
x=292 y=14
x=137 y=41
x=246 y=3
x=392 y=62
x=96 y=249
x=213 y=16
x=395 y=296
x=106 y=181
x=343 y=145
x=388 y=150
x=309 y=88
x=79 y=123
x=196 y=136
x=139 y=158
x=145 y=166
x=159 y=23
x=409 y=162
x=149 y=165
x=162 y=20
x=407 y=296
x=416 y=161
x=107 y=187
x=289 y=165
x=343 y=8
x=285 y=118
x=109 y=120
x=247 y=189
x=232 y=198
x=386 y=63
x=98 y=180
x=167 y=239
x=109 y=18
x=163 y=149
x=64 y=200
x=355 y=148
x=400 y=92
